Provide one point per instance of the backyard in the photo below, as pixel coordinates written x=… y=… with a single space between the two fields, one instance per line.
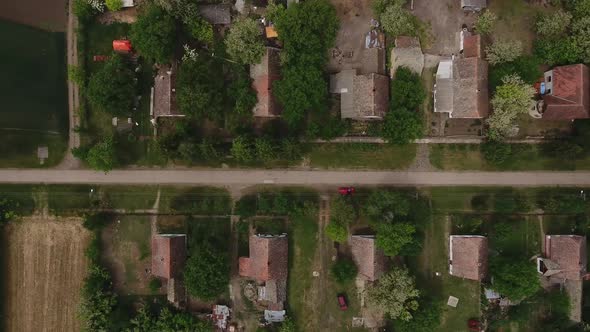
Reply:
x=35 y=110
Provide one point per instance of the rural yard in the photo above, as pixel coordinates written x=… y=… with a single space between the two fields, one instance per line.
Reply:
x=45 y=266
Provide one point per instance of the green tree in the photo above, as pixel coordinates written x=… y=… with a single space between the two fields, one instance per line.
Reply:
x=167 y=320
x=395 y=293
x=83 y=10
x=425 y=319
x=393 y=237
x=402 y=126
x=242 y=149
x=342 y=210
x=515 y=279
x=344 y=270
x=337 y=231
x=581 y=38
x=396 y=20
x=386 y=205
x=485 y=22
x=98 y=300
x=265 y=149
x=101 y=156
x=206 y=274
x=7 y=210
x=114 y=5
x=112 y=88
x=76 y=74
x=199 y=89
x=512 y=98
x=153 y=35
x=503 y=51
x=495 y=152
x=407 y=90
x=155 y=285
x=553 y=24
x=526 y=67
x=244 y=41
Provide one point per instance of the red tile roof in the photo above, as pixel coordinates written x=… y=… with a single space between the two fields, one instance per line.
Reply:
x=264 y=75
x=122 y=46
x=369 y=260
x=268 y=258
x=468 y=256
x=168 y=255
x=569 y=252
x=472 y=46
x=570 y=95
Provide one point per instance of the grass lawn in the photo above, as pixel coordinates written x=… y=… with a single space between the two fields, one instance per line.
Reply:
x=69 y=199
x=195 y=200
x=433 y=259
x=21 y=195
x=34 y=104
x=359 y=155
x=135 y=229
x=213 y=231
x=516 y=19
x=302 y=247
x=129 y=197
x=524 y=157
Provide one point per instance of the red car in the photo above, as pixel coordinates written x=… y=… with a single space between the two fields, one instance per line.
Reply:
x=344 y=191
x=342 y=302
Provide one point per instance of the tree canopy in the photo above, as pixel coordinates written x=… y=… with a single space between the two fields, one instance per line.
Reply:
x=206 y=274
x=154 y=34
x=407 y=90
x=485 y=22
x=513 y=278
x=168 y=320
x=7 y=210
x=244 y=41
x=111 y=89
x=307 y=30
x=100 y=156
x=98 y=300
x=401 y=126
x=395 y=293
x=512 y=98
x=344 y=270
x=114 y=5
x=384 y=204
x=199 y=92
x=393 y=237
x=503 y=51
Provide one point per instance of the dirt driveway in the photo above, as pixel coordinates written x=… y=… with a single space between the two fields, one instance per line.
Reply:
x=44 y=267
x=445 y=18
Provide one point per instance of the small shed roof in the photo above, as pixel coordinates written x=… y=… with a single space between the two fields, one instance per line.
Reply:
x=369 y=260
x=215 y=14
x=122 y=45
x=168 y=255
x=468 y=256
x=443 y=89
x=569 y=253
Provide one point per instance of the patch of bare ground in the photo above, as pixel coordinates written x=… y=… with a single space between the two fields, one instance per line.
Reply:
x=44 y=270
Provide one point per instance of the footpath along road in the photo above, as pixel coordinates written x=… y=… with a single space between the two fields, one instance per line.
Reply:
x=243 y=177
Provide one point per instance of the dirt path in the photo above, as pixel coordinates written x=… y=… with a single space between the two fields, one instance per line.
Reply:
x=45 y=267
x=69 y=161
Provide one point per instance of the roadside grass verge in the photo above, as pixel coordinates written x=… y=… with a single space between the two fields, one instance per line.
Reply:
x=361 y=155
x=129 y=197
x=524 y=157
x=22 y=195
x=195 y=200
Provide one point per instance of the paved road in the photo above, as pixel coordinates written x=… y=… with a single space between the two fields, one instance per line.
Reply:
x=220 y=177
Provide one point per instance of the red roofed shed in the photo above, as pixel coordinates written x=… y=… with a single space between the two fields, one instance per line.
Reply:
x=123 y=46
x=567 y=91
x=268 y=258
x=468 y=256
x=569 y=253
x=168 y=255
x=264 y=74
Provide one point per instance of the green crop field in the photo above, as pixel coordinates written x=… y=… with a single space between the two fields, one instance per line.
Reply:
x=34 y=109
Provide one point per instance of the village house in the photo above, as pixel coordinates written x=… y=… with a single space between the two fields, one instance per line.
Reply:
x=168 y=259
x=564 y=263
x=264 y=74
x=163 y=94
x=267 y=265
x=566 y=94
x=362 y=97
x=461 y=87
x=407 y=53
x=370 y=261
x=468 y=256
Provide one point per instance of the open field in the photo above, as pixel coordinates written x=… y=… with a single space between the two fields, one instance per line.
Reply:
x=47 y=15
x=44 y=266
x=524 y=157
x=34 y=108
x=359 y=155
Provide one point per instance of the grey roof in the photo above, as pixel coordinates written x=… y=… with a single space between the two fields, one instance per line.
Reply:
x=342 y=83
x=373 y=61
x=362 y=97
x=164 y=99
x=215 y=14
x=443 y=89
x=474 y=4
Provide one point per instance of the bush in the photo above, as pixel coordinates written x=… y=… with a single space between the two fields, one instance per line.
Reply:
x=503 y=51
x=396 y=20
x=7 y=209
x=344 y=270
x=485 y=22
x=480 y=202
x=407 y=90
x=337 y=231
x=206 y=274
x=402 y=126
x=114 y=5
x=155 y=285
x=84 y=11
x=97 y=221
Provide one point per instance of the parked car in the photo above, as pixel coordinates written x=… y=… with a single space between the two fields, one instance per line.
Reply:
x=344 y=191
x=342 y=302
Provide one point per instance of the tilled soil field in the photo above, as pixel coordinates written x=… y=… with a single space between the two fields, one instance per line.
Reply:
x=44 y=267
